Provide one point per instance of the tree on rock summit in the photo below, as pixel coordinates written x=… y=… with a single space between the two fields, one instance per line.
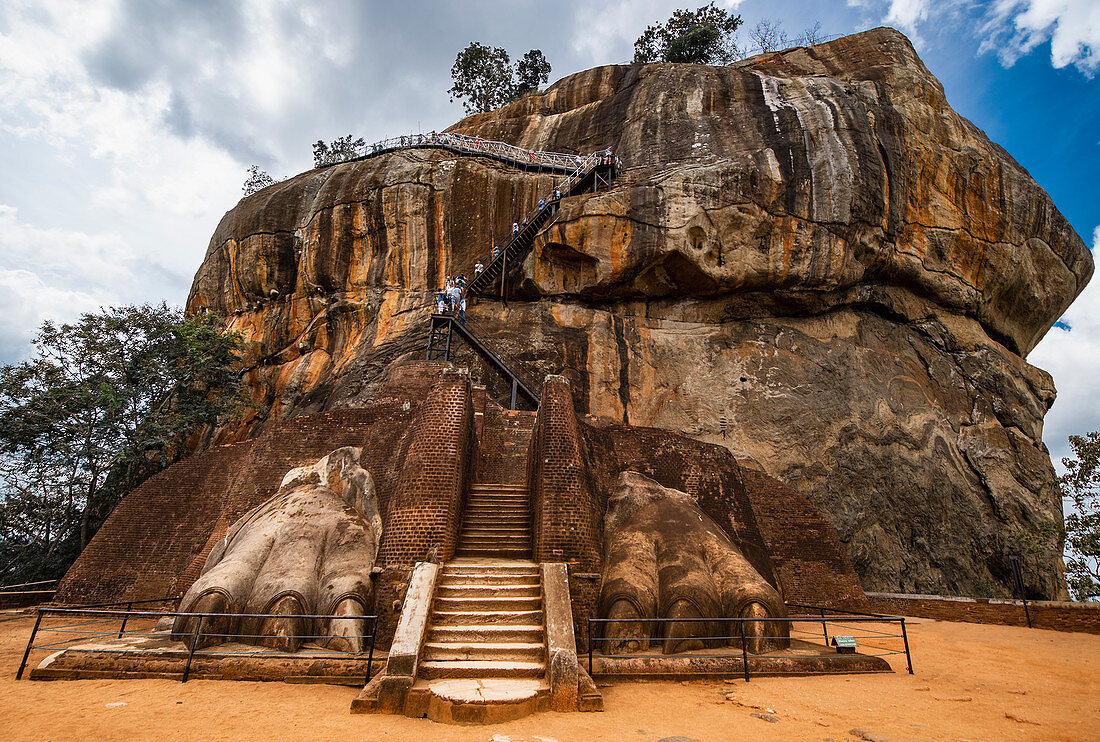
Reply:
x=703 y=36
x=485 y=78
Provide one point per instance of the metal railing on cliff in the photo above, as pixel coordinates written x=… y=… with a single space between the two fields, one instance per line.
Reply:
x=562 y=162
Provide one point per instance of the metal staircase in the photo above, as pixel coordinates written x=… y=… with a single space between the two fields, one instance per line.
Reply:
x=445 y=330
x=597 y=170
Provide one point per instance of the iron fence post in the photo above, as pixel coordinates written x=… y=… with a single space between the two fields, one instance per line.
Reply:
x=824 y=627
x=194 y=645
x=30 y=643
x=905 y=638
x=589 y=637
x=370 y=652
x=744 y=647
x=122 y=628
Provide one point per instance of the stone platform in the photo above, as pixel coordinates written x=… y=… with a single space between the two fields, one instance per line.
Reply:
x=802 y=658
x=155 y=656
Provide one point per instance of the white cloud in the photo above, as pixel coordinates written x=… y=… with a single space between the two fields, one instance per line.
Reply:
x=56 y=274
x=1072 y=356
x=1015 y=27
x=906 y=14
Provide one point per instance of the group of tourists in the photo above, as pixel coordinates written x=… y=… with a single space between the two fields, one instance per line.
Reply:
x=451 y=299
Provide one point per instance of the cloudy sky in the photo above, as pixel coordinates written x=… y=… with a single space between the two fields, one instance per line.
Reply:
x=126 y=126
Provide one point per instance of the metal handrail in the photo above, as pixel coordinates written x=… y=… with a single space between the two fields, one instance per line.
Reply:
x=108 y=616
x=527 y=158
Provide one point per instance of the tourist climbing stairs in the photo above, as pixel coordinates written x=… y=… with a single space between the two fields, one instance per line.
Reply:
x=490 y=281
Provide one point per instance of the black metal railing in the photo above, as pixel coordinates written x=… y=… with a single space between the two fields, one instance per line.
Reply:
x=850 y=624
x=85 y=623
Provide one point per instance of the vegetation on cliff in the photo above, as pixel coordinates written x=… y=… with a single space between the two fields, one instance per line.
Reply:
x=104 y=403
x=1081 y=484
x=484 y=77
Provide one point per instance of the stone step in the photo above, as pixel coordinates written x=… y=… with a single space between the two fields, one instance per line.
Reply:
x=499 y=495
x=487 y=618
x=497 y=521
x=488 y=578
x=451 y=633
x=494 y=553
x=492 y=527
x=494 y=512
x=527 y=603
x=477 y=700
x=481 y=669
x=468 y=590
x=497 y=487
x=501 y=540
x=513 y=651
x=477 y=566
x=505 y=544
x=501 y=537
x=497 y=506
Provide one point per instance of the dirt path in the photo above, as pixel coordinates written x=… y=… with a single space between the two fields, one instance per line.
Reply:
x=973 y=683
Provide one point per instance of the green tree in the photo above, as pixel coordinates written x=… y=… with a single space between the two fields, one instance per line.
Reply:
x=484 y=77
x=1081 y=484
x=338 y=150
x=532 y=70
x=103 y=404
x=703 y=36
x=256 y=180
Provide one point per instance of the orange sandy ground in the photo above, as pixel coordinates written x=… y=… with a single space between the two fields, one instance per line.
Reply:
x=972 y=682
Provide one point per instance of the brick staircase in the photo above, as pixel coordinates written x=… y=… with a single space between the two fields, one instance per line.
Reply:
x=496 y=522
x=485 y=655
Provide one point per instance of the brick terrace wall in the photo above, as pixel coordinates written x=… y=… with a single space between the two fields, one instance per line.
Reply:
x=566 y=515
x=155 y=532
x=812 y=565
x=1055 y=615
x=425 y=510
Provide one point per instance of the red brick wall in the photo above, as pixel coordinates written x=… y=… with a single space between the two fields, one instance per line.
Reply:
x=811 y=563
x=425 y=509
x=505 y=438
x=1058 y=616
x=566 y=514
x=155 y=532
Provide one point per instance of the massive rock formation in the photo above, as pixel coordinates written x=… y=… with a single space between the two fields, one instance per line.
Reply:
x=810 y=259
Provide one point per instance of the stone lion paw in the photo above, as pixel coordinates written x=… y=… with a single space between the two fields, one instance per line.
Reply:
x=308 y=550
x=665 y=558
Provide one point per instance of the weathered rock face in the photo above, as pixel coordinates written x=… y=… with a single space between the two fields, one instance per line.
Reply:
x=810 y=259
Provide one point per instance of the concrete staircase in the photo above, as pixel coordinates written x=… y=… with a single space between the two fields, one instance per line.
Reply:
x=496 y=522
